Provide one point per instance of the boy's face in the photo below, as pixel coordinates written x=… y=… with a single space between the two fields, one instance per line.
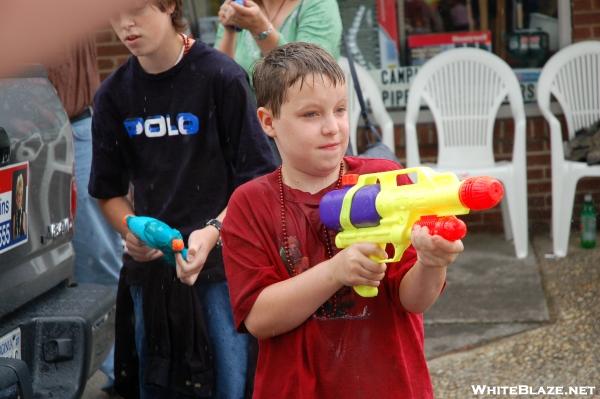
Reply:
x=311 y=131
x=143 y=28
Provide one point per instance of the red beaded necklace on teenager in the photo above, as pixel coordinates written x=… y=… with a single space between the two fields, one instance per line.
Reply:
x=186 y=43
x=286 y=244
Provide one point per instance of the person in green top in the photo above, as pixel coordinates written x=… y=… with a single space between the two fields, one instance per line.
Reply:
x=250 y=29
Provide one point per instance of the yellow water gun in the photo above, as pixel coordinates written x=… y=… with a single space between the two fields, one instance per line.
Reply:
x=374 y=208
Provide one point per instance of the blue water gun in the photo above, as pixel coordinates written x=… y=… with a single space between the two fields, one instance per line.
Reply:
x=158 y=235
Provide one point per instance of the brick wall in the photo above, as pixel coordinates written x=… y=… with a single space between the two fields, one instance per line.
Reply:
x=586 y=26
x=111 y=52
x=586 y=19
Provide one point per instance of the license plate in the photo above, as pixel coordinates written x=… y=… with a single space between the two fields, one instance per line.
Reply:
x=10 y=344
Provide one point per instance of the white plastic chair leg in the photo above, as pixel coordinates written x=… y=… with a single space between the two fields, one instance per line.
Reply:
x=508 y=235
x=515 y=195
x=563 y=196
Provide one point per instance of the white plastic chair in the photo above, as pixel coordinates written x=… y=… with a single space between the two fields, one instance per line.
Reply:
x=463 y=89
x=372 y=96
x=572 y=76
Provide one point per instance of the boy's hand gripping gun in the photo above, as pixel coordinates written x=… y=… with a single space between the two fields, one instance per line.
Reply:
x=158 y=235
x=374 y=208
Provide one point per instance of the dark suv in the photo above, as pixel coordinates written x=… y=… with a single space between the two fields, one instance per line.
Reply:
x=54 y=334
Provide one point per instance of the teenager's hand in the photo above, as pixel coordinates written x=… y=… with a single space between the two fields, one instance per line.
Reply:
x=249 y=16
x=433 y=250
x=353 y=266
x=138 y=251
x=200 y=243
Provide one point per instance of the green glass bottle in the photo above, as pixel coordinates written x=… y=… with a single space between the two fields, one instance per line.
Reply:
x=588 y=223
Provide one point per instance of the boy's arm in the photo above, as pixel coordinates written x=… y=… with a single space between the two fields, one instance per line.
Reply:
x=200 y=243
x=422 y=284
x=285 y=305
x=115 y=209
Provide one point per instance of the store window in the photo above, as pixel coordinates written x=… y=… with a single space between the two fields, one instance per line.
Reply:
x=202 y=18
x=392 y=38
x=523 y=32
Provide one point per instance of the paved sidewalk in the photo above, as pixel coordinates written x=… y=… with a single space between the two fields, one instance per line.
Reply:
x=489 y=294
x=562 y=350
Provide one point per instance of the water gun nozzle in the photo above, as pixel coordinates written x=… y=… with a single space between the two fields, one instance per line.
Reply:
x=124 y=221
x=481 y=192
x=177 y=245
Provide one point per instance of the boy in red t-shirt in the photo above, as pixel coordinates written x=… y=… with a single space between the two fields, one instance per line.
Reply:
x=289 y=285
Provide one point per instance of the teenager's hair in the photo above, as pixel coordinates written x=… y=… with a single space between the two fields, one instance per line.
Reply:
x=177 y=18
x=288 y=64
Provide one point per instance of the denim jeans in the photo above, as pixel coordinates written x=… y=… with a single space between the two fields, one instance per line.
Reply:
x=230 y=348
x=146 y=391
x=98 y=247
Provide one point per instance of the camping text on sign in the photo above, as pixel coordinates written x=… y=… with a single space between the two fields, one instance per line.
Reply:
x=394 y=84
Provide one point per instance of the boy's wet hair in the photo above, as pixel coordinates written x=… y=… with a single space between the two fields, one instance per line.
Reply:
x=177 y=18
x=285 y=65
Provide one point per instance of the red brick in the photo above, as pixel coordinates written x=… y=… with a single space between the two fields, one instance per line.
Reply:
x=537 y=127
x=581 y=6
x=536 y=145
x=539 y=187
x=538 y=159
x=589 y=185
x=106 y=63
x=508 y=125
x=536 y=202
x=535 y=174
x=426 y=133
x=597 y=4
x=596 y=33
x=584 y=32
x=105 y=36
x=590 y=18
x=540 y=214
x=111 y=50
x=428 y=152
x=399 y=136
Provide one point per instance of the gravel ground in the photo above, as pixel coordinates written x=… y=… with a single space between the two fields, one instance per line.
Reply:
x=562 y=353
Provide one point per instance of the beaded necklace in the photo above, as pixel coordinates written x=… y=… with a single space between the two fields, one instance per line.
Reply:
x=186 y=43
x=286 y=244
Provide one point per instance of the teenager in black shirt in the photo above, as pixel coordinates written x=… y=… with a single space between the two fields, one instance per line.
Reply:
x=178 y=122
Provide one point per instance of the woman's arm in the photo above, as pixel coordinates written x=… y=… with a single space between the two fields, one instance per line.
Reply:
x=226 y=44
x=251 y=17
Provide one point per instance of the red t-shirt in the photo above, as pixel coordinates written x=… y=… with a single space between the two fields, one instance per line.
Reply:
x=359 y=348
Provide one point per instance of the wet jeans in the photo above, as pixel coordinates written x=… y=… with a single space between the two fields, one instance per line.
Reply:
x=230 y=348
